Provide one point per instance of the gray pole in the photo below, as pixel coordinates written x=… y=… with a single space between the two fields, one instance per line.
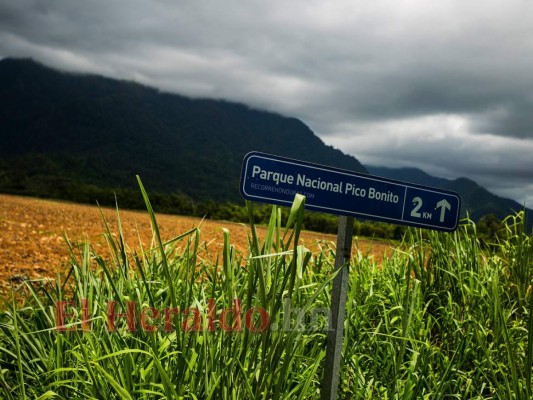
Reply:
x=332 y=362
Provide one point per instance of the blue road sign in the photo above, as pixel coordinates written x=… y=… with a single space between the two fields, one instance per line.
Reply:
x=272 y=179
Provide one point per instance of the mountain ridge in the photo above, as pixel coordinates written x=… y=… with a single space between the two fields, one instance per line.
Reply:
x=66 y=132
x=78 y=123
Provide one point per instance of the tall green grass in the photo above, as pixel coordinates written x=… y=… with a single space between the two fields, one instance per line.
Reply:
x=440 y=318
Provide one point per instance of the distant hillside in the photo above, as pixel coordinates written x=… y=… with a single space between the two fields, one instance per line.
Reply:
x=82 y=137
x=477 y=200
x=62 y=129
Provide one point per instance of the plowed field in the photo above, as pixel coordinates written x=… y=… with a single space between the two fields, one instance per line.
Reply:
x=33 y=231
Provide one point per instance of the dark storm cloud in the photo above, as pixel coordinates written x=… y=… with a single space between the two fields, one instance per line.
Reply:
x=443 y=85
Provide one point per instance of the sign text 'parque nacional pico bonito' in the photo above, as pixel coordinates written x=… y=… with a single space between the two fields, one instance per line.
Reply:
x=273 y=179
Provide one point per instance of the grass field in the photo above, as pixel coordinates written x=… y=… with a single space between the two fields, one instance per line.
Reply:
x=437 y=318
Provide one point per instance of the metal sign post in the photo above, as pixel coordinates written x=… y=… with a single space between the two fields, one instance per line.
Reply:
x=272 y=179
x=332 y=362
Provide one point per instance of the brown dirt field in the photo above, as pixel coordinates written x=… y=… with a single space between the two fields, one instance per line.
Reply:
x=32 y=235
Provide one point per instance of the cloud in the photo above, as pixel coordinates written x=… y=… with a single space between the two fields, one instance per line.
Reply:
x=443 y=145
x=445 y=85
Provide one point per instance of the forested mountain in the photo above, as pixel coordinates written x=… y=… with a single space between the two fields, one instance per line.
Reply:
x=83 y=137
x=60 y=128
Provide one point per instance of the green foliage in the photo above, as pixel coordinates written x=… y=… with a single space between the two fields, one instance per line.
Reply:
x=489 y=229
x=442 y=317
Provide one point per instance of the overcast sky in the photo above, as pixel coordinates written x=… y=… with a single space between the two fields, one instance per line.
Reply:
x=446 y=86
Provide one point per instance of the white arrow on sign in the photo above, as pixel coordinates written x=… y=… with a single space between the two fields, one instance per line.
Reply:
x=443 y=205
